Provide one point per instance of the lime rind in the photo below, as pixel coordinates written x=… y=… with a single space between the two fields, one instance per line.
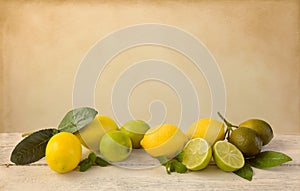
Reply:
x=197 y=154
x=227 y=156
x=115 y=146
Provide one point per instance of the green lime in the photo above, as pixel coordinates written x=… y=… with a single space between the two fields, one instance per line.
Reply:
x=262 y=128
x=136 y=130
x=197 y=154
x=115 y=146
x=228 y=157
x=246 y=140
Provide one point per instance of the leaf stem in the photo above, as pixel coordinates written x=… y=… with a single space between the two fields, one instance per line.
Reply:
x=27 y=133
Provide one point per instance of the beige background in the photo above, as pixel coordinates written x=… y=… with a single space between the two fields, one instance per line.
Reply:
x=256 y=44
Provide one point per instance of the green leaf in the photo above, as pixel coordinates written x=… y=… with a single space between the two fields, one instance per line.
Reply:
x=175 y=166
x=168 y=167
x=179 y=157
x=178 y=167
x=100 y=162
x=268 y=159
x=92 y=159
x=246 y=172
x=92 y=156
x=32 y=148
x=85 y=164
x=77 y=119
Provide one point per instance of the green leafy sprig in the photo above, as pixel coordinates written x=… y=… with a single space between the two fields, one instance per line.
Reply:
x=173 y=165
x=91 y=160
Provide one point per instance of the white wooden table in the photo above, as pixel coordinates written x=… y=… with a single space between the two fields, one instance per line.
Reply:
x=38 y=176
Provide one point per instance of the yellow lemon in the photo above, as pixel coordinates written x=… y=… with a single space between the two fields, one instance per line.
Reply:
x=63 y=152
x=209 y=129
x=90 y=136
x=164 y=140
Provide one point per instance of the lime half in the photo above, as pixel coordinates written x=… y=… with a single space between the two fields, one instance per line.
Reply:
x=197 y=154
x=227 y=156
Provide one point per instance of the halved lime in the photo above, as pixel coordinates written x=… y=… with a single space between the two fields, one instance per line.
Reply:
x=197 y=154
x=227 y=156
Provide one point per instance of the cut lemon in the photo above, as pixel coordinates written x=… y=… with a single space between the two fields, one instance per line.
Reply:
x=197 y=154
x=227 y=156
x=209 y=129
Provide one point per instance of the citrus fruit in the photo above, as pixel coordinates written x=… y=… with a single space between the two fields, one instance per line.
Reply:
x=197 y=154
x=262 y=128
x=115 y=146
x=135 y=129
x=227 y=156
x=209 y=129
x=164 y=140
x=246 y=140
x=91 y=134
x=63 y=152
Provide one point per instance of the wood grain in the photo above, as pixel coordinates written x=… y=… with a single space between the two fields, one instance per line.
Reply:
x=38 y=176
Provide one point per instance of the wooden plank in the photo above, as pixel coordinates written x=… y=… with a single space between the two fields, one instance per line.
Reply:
x=113 y=178
x=38 y=175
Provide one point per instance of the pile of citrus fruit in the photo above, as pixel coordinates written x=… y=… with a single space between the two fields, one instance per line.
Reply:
x=206 y=140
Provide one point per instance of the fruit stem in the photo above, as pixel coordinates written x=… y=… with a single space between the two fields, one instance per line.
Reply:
x=229 y=125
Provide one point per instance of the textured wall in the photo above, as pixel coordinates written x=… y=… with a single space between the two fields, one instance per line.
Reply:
x=256 y=44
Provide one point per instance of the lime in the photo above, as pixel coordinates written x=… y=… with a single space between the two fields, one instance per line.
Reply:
x=92 y=133
x=164 y=140
x=115 y=146
x=135 y=129
x=246 y=140
x=197 y=154
x=209 y=129
x=228 y=157
x=262 y=128
x=63 y=152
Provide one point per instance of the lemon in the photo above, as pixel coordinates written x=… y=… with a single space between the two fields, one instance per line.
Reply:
x=115 y=146
x=63 y=152
x=135 y=129
x=246 y=140
x=164 y=140
x=209 y=129
x=227 y=157
x=197 y=154
x=92 y=133
x=262 y=128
